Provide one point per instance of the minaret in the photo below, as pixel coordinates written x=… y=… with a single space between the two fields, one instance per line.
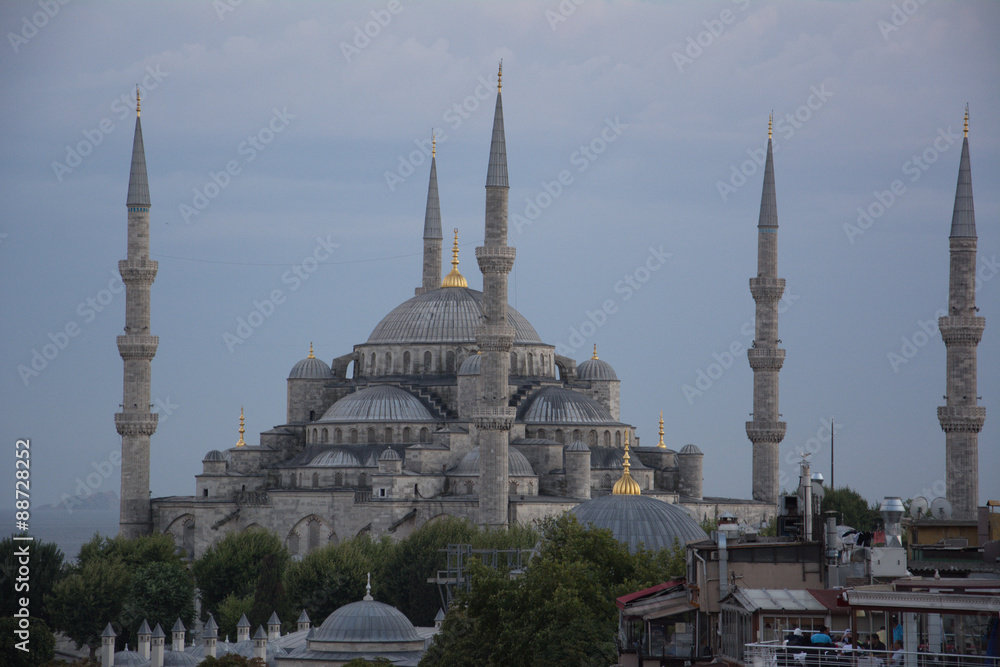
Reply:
x=432 y=229
x=136 y=422
x=766 y=358
x=492 y=415
x=961 y=417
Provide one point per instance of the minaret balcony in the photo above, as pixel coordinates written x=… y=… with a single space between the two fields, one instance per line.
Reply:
x=138 y=270
x=766 y=358
x=961 y=329
x=495 y=259
x=962 y=418
x=495 y=337
x=762 y=431
x=767 y=289
x=136 y=423
x=494 y=419
x=137 y=346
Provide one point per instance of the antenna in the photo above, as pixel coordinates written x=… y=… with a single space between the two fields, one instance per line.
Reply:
x=918 y=507
x=832 y=429
x=941 y=508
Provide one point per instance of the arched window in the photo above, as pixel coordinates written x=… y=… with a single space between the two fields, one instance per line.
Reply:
x=315 y=480
x=560 y=438
x=338 y=479
x=370 y=436
x=607 y=438
x=618 y=438
x=513 y=487
x=577 y=435
x=187 y=541
x=607 y=482
x=362 y=480
x=407 y=435
x=425 y=435
x=371 y=365
x=293 y=544
x=513 y=363
x=326 y=435
x=406 y=363
x=354 y=436
x=300 y=479
x=450 y=362
x=428 y=360
x=388 y=363
x=388 y=435
x=469 y=487
x=338 y=436
x=313 y=534
x=592 y=439
x=540 y=433
x=531 y=364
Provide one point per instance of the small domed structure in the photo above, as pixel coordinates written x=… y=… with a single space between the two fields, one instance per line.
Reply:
x=556 y=405
x=129 y=658
x=214 y=456
x=635 y=520
x=379 y=403
x=517 y=464
x=310 y=368
x=389 y=455
x=596 y=369
x=472 y=365
x=577 y=446
x=690 y=449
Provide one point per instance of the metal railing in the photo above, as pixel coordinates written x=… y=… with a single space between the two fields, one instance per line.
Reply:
x=774 y=654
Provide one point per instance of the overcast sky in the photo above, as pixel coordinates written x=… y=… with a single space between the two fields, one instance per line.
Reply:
x=652 y=115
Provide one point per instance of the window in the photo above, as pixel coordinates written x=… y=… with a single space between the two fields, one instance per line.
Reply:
x=592 y=438
x=371 y=365
x=362 y=480
x=354 y=436
x=560 y=438
x=315 y=480
x=469 y=487
x=370 y=435
x=531 y=364
x=338 y=436
x=204 y=493
x=540 y=433
x=406 y=363
x=425 y=435
x=388 y=363
x=407 y=435
x=338 y=479
x=513 y=363
x=607 y=438
x=382 y=493
x=450 y=362
x=427 y=362
x=326 y=435
x=388 y=436
x=513 y=487
x=618 y=438
x=313 y=534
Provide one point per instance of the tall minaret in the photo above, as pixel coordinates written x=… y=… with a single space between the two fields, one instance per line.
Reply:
x=766 y=358
x=962 y=417
x=492 y=415
x=432 y=229
x=136 y=423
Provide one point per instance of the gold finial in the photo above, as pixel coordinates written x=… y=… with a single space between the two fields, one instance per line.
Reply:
x=311 y=355
x=595 y=351
x=500 y=76
x=454 y=278
x=136 y=100
x=966 y=119
x=770 y=122
x=626 y=486
x=661 y=444
x=241 y=442
x=434 y=144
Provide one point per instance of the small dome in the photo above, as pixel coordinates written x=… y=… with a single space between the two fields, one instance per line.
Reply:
x=336 y=458
x=310 y=368
x=555 y=405
x=577 y=446
x=612 y=458
x=635 y=520
x=517 y=464
x=595 y=369
x=215 y=455
x=690 y=449
x=178 y=659
x=365 y=621
x=472 y=365
x=389 y=455
x=128 y=658
x=378 y=403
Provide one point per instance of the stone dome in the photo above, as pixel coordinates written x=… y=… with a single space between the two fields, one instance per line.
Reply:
x=596 y=369
x=215 y=455
x=690 y=449
x=310 y=368
x=472 y=365
x=635 y=520
x=129 y=658
x=577 y=446
x=389 y=455
x=366 y=621
x=555 y=405
x=336 y=458
x=178 y=659
x=517 y=464
x=445 y=315
x=378 y=403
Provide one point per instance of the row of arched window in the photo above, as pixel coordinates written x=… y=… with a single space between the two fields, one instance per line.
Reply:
x=315 y=480
x=593 y=437
x=430 y=363
x=370 y=435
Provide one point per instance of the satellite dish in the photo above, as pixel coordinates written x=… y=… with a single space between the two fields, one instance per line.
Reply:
x=941 y=508
x=918 y=507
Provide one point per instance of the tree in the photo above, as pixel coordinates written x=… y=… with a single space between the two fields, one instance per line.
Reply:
x=84 y=602
x=852 y=509
x=269 y=594
x=41 y=644
x=231 y=660
x=45 y=561
x=160 y=593
x=233 y=566
x=229 y=612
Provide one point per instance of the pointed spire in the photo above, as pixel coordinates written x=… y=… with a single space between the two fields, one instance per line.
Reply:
x=241 y=442
x=454 y=278
x=661 y=444
x=496 y=174
x=768 y=200
x=963 y=218
x=368 y=589
x=626 y=486
x=432 y=215
x=138 y=183
x=595 y=352
x=311 y=356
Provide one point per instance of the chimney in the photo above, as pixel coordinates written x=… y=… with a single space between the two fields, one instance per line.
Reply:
x=145 y=634
x=273 y=627
x=303 y=622
x=108 y=647
x=260 y=644
x=156 y=655
x=211 y=636
x=177 y=632
x=243 y=629
x=892 y=514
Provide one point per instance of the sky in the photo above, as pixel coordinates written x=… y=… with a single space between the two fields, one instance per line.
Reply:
x=287 y=152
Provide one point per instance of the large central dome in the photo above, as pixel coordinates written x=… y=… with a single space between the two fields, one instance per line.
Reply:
x=445 y=315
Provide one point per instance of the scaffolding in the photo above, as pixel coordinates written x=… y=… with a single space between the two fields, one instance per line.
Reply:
x=454 y=579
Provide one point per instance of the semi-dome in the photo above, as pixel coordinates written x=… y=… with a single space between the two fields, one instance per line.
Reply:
x=635 y=520
x=472 y=365
x=517 y=464
x=310 y=368
x=690 y=449
x=555 y=405
x=366 y=621
x=446 y=315
x=379 y=403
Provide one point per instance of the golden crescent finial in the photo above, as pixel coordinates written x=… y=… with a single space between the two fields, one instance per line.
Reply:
x=626 y=486
x=433 y=144
x=241 y=442
x=966 y=119
x=595 y=352
x=500 y=76
x=770 y=123
x=311 y=355
x=454 y=278
x=136 y=100
x=661 y=444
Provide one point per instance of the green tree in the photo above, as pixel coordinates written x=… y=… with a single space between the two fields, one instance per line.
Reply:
x=41 y=643
x=851 y=507
x=229 y=612
x=269 y=595
x=231 y=660
x=86 y=600
x=160 y=593
x=233 y=566
x=45 y=562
